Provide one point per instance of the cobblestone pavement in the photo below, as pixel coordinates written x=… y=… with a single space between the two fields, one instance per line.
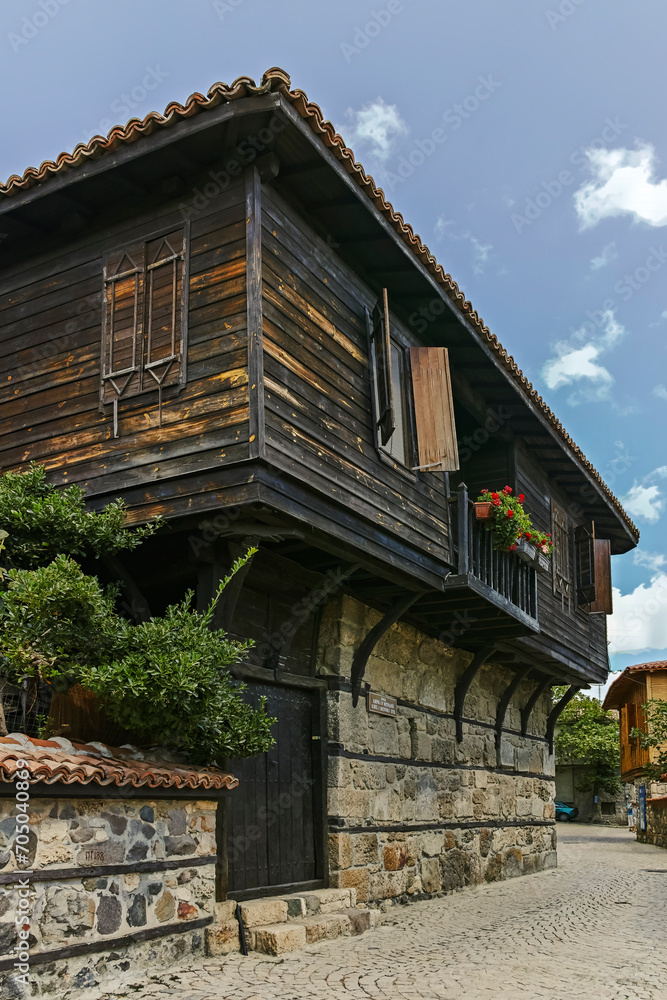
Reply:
x=594 y=928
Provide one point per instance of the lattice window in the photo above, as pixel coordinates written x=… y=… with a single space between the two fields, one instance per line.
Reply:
x=144 y=346
x=562 y=557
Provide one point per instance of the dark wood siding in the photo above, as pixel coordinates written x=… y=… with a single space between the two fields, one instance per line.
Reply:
x=584 y=633
x=50 y=344
x=319 y=424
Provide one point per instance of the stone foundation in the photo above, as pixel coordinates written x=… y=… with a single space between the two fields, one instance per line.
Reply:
x=411 y=810
x=115 y=884
x=656 y=823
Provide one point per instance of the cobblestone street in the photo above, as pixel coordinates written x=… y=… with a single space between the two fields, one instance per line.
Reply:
x=593 y=928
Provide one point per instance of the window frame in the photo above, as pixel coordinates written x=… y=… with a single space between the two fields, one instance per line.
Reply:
x=559 y=513
x=141 y=341
x=398 y=341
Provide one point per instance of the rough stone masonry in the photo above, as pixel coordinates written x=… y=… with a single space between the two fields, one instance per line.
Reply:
x=411 y=811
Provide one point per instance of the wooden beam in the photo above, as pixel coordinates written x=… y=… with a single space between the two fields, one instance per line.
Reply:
x=556 y=711
x=367 y=645
x=464 y=682
x=503 y=705
x=527 y=709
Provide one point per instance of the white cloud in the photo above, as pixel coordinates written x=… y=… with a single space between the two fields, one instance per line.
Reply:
x=607 y=254
x=623 y=183
x=654 y=560
x=644 y=502
x=639 y=621
x=374 y=128
x=660 y=391
x=575 y=364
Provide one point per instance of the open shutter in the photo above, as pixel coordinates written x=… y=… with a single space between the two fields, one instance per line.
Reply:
x=163 y=350
x=122 y=337
x=434 y=409
x=584 y=538
x=381 y=358
x=602 y=605
x=560 y=529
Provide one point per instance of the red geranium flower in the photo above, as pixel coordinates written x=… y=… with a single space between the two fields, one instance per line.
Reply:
x=494 y=496
x=511 y=548
x=484 y=490
x=521 y=498
x=496 y=502
x=507 y=490
x=510 y=513
x=528 y=535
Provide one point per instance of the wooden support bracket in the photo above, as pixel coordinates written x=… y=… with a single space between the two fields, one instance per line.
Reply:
x=367 y=645
x=556 y=711
x=503 y=705
x=464 y=682
x=527 y=709
x=280 y=643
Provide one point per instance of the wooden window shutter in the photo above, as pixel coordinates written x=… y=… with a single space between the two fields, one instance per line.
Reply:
x=560 y=529
x=603 y=604
x=381 y=358
x=144 y=342
x=163 y=350
x=584 y=539
x=122 y=336
x=434 y=409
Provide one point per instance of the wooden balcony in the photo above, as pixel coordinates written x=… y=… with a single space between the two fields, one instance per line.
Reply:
x=500 y=579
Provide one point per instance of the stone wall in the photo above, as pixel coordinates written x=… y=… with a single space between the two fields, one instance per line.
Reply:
x=656 y=823
x=116 y=882
x=411 y=811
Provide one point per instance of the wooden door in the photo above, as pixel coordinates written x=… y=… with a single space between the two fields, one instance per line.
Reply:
x=274 y=817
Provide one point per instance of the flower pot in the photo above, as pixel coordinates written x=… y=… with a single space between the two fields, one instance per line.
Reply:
x=483 y=510
x=525 y=551
x=542 y=562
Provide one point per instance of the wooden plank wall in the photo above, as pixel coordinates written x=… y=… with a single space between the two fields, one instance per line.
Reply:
x=319 y=425
x=50 y=337
x=580 y=631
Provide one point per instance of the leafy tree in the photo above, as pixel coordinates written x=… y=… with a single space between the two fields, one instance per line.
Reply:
x=43 y=522
x=654 y=737
x=586 y=734
x=167 y=679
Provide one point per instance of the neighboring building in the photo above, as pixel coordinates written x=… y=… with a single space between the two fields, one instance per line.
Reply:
x=630 y=691
x=593 y=806
x=636 y=685
x=216 y=315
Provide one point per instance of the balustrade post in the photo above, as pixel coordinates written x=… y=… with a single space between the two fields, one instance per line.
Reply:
x=464 y=529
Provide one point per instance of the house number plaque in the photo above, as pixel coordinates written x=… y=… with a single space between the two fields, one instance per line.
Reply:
x=381 y=704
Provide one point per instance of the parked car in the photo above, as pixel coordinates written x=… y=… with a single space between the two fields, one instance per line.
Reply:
x=564 y=814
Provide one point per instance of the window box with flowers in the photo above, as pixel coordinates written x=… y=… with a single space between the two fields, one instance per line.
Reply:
x=511 y=526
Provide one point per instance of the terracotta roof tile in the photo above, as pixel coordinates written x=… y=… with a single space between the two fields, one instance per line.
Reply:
x=59 y=761
x=277 y=80
x=613 y=697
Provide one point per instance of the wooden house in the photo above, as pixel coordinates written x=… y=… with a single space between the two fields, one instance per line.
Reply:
x=637 y=684
x=216 y=315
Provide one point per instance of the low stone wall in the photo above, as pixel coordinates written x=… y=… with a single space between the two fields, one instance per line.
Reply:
x=113 y=884
x=656 y=823
x=411 y=810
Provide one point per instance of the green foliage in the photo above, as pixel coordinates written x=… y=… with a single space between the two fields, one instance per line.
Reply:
x=167 y=679
x=586 y=734
x=510 y=520
x=654 y=737
x=172 y=678
x=43 y=521
x=54 y=620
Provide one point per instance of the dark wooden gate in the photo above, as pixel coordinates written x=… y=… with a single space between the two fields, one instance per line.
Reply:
x=274 y=817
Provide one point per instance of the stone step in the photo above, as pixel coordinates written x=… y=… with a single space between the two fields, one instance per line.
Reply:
x=277 y=939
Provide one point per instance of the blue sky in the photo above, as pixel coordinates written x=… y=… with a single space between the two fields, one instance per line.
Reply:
x=524 y=142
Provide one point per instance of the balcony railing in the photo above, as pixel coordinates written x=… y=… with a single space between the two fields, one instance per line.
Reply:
x=503 y=578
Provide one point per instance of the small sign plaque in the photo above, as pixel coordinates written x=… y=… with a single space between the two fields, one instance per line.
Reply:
x=381 y=703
